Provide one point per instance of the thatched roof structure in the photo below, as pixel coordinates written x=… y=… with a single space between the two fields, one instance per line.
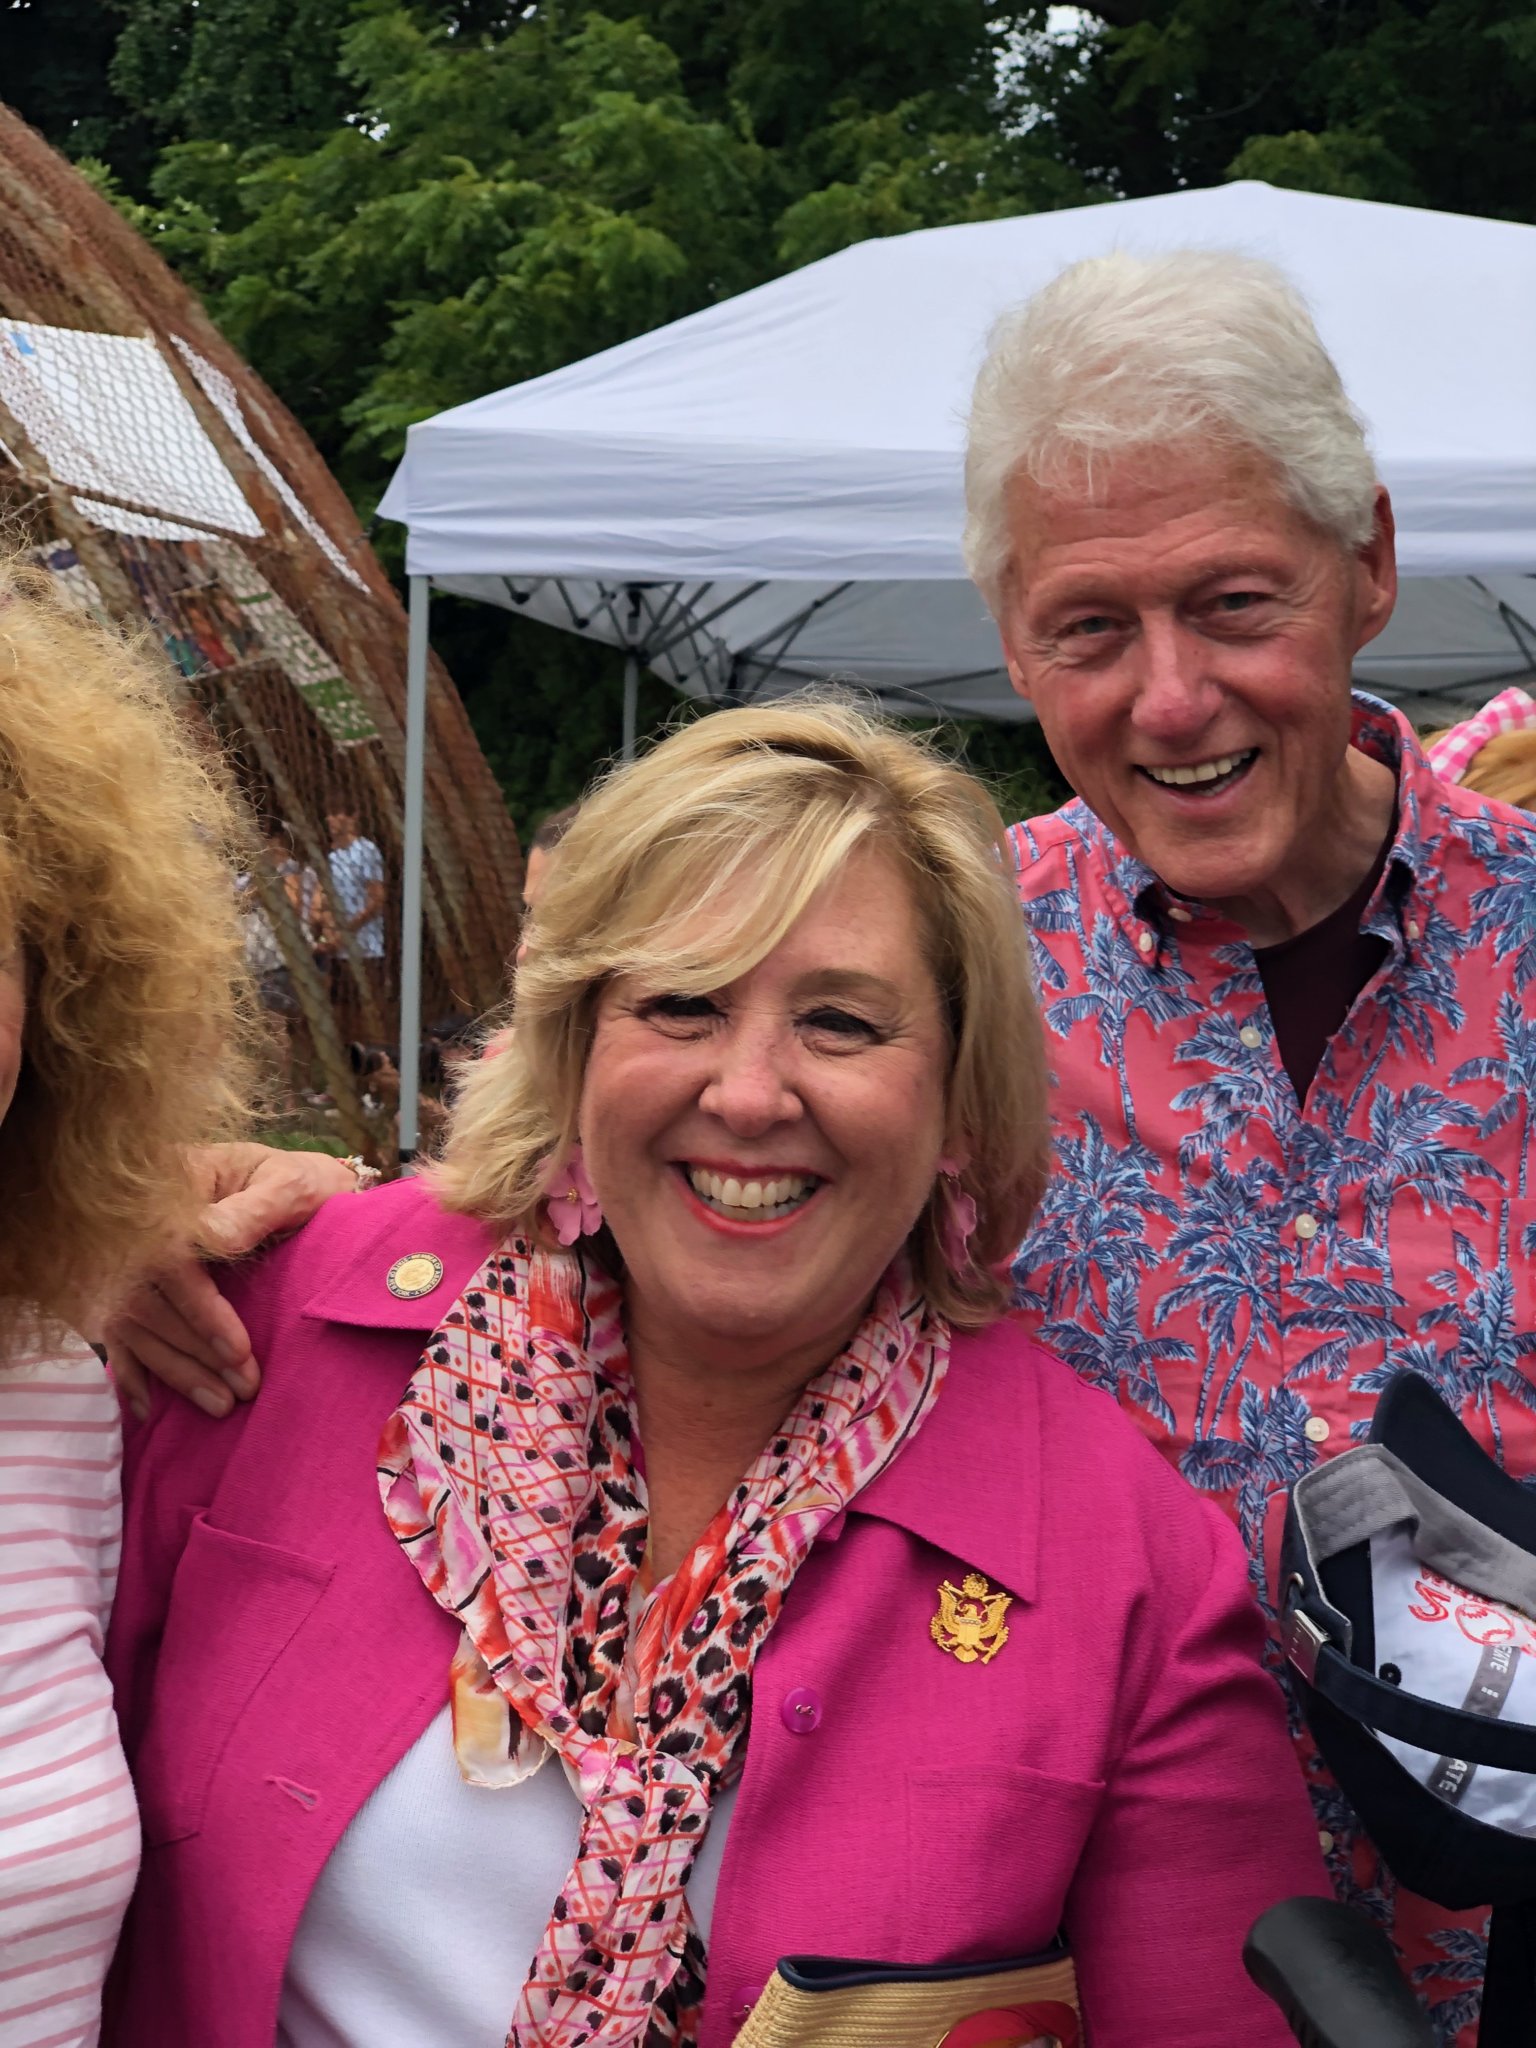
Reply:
x=152 y=471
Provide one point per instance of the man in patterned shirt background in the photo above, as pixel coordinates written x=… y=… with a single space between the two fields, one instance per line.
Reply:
x=1286 y=972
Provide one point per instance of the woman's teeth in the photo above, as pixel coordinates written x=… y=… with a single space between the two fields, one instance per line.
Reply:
x=1206 y=771
x=761 y=1200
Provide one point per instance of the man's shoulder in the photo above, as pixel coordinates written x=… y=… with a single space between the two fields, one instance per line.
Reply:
x=1043 y=847
x=1484 y=822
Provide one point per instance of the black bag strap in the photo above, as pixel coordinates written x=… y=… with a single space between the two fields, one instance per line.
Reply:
x=1442 y=1731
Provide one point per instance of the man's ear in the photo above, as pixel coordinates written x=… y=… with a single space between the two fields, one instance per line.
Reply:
x=1015 y=673
x=1375 y=573
x=1011 y=661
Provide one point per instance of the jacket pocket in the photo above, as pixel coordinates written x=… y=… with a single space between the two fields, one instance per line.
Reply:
x=236 y=1604
x=993 y=1850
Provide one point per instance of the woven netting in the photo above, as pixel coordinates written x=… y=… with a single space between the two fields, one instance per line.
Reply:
x=147 y=467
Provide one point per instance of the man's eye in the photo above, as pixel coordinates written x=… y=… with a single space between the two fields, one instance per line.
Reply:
x=1088 y=627
x=1239 y=600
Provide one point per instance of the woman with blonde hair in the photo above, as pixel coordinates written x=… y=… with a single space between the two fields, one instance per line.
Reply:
x=731 y=1581
x=120 y=979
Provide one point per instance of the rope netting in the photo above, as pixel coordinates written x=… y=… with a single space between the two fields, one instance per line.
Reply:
x=148 y=468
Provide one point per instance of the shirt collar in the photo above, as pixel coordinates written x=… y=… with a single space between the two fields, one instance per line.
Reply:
x=969 y=1482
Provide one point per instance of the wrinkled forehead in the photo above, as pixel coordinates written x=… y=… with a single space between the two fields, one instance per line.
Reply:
x=1199 y=509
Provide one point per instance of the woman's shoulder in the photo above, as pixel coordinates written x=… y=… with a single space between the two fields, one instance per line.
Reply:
x=341 y=1260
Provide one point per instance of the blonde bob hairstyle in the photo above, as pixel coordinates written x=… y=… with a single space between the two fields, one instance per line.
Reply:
x=116 y=893
x=760 y=809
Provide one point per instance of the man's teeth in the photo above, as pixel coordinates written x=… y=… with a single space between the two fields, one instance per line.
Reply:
x=1207 y=771
x=760 y=1199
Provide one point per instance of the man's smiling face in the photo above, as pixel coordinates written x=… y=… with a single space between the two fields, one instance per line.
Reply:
x=1186 y=638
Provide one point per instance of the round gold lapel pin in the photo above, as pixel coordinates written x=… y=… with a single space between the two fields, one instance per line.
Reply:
x=415 y=1275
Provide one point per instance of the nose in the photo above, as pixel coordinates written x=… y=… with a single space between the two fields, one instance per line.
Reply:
x=1176 y=695
x=750 y=1089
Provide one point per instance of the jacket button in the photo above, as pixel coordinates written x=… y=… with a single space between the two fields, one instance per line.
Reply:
x=746 y=1998
x=800 y=1711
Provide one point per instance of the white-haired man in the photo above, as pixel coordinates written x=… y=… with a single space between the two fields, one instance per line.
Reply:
x=1287 y=973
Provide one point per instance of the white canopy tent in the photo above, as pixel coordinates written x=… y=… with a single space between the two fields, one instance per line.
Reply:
x=769 y=491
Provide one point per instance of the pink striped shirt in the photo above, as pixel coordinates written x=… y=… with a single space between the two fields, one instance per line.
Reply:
x=69 y=1827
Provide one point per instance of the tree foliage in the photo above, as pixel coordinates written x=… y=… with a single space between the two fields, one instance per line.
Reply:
x=395 y=205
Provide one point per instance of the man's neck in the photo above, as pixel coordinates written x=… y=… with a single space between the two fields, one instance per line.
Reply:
x=1339 y=849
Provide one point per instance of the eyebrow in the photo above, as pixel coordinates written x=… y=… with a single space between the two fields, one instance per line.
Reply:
x=848 y=981
x=1087 y=586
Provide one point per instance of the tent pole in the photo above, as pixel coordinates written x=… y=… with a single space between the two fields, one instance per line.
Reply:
x=412 y=856
x=631 y=703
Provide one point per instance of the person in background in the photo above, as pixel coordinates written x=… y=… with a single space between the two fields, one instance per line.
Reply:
x=357 y=877
x=715 y=1590
x=267 y=963
x=1286 y=969
x=121 y=1045
x=541 y=849
x=358 y=896
x=1492 y=753
x=537 y=863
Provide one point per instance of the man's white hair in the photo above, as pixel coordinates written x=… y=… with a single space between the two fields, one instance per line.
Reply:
x=1123 y=352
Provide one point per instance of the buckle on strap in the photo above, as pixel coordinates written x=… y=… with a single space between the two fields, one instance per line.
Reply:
x=1303 y=1642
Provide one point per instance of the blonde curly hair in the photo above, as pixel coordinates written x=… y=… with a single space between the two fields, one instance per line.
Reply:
x=117 y=830
x=768 y=804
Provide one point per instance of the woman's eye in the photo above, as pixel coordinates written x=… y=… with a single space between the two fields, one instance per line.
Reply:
x=679 y=1009
x=841 y=1023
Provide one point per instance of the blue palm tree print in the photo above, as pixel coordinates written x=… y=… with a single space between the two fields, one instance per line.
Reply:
x=1460 y=1963
x=1512 y=1069
x=1247 y=1270
x=1270 y=1451
x=1117 y=984
x=1092 y=1222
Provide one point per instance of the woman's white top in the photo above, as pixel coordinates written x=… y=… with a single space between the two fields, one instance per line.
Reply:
x=424 y=1923
x=69 y=1827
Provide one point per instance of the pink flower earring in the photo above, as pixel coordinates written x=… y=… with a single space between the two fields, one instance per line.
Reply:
x=573 y=1208
x=958 y=1222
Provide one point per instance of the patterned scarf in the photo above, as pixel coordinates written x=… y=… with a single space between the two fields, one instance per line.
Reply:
x=510 y=1477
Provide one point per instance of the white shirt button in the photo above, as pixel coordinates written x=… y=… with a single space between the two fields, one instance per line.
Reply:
x=1306 y=1227
x=1413 y=927
x=1317 y=1429
x=1325 y=1841
x=1146 y=942
x=1179 y=914
x=1251 y=1036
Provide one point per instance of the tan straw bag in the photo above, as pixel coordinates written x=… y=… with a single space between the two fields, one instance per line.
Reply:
x=814 y=2002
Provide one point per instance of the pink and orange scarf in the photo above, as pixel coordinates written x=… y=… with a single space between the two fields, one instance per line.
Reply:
x=511 y=1479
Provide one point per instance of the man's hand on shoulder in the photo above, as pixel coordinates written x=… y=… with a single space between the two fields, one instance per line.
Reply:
x=177 y=1326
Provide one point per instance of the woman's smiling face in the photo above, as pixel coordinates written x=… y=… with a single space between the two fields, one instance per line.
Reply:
x=761 y=1153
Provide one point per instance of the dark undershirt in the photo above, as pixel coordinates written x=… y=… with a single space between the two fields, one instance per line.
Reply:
x=1311 y=981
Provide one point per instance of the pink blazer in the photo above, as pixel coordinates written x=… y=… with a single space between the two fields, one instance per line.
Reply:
x=1120 y=1767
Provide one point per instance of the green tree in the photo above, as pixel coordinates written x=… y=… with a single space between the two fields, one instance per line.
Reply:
x=1420 y=102
x=55 y=70
x=395 y=205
